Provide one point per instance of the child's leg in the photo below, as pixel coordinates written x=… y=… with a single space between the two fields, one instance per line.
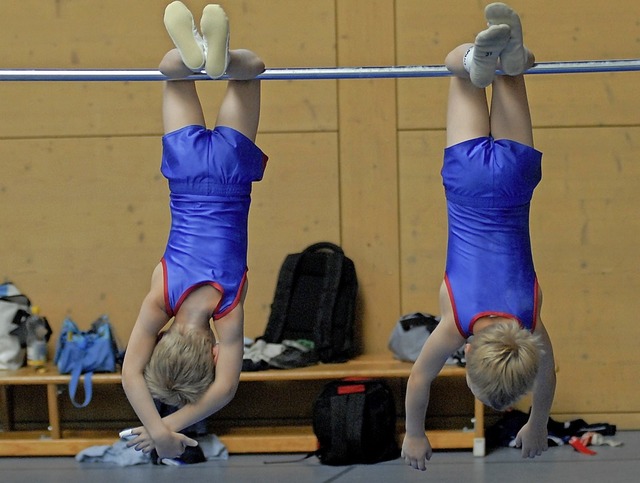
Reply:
x=180 y=105
x=240 y=108
x=510 y=116
x=467 y=110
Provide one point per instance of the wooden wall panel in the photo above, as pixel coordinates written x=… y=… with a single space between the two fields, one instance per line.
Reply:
x=424 y=36
x=368 y=167
x=423 y=220
x=87 y=224
x=123 y=34
x=82 y=34
x=52 y=109
x=570 y=30
x=586 y=234
x=296 y=204
x=556 y=101
x=80 y=109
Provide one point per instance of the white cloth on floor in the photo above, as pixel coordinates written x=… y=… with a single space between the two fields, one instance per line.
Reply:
x=119 y=454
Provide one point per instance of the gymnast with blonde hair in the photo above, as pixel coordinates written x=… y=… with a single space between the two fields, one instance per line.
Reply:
x=490 y=299
x=202 y=276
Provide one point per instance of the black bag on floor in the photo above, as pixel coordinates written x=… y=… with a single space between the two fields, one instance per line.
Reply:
x=315 y=299
x=355 y=423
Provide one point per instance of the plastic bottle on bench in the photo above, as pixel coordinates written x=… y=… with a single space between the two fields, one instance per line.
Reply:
x=36 y=339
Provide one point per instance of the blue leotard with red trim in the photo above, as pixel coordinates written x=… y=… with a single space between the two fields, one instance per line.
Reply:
x=489 y=272
x=210 y=173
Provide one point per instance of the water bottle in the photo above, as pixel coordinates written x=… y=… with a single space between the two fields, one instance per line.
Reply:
x=36 y=339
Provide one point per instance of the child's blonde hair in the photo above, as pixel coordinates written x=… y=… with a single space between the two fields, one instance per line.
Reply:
x=502 y=363
x=181 y=367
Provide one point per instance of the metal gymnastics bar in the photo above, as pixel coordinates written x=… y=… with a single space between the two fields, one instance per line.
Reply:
x=314 y=73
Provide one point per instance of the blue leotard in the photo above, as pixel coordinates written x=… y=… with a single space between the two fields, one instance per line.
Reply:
x=489 y=271
x=210 y=173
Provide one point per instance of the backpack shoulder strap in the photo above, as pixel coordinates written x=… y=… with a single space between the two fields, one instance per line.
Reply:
x=281 y=298
x=339 y=422
x=347 y=420
x=333 y=262
x=355 y=423
x=327 y=300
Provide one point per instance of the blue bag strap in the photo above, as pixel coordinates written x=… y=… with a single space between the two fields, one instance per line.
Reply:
x=73 y=386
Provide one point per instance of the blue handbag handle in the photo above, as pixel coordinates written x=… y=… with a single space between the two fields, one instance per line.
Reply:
x=73 y=386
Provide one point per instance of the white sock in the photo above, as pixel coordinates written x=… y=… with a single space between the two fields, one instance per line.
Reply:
x=467 y=59
x=486 y=49
x=514 y=57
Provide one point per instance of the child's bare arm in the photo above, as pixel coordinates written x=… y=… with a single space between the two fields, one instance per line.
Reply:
x=443 y=342
x=533 y=436
x=228 y=368
x=139 y=349
x=154 y=433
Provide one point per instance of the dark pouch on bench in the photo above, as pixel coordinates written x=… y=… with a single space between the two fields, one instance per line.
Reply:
x=85 y=352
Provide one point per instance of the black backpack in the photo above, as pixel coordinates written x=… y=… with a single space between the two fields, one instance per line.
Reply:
x=315 y=299
x=355 y=423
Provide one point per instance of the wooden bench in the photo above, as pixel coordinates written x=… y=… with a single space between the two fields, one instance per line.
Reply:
x=275 y=439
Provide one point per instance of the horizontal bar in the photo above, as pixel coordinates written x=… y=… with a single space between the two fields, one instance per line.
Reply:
x=314 y=73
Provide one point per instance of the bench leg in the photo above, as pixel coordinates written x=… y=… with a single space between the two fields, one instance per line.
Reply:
x=478 y=439
x=54 y=414
x=6 y=407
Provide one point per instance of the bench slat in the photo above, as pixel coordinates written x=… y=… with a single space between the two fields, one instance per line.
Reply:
x=362 y=366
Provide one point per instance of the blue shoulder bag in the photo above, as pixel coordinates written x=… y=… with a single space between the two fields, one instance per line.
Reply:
x=85 y=352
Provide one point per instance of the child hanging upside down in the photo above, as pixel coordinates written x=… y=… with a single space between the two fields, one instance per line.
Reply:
x=202 y=274
x=490 y=295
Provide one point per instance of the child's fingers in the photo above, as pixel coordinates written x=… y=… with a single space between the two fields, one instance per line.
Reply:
x=129 y=436
x=518 y=441
x=188 y=441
